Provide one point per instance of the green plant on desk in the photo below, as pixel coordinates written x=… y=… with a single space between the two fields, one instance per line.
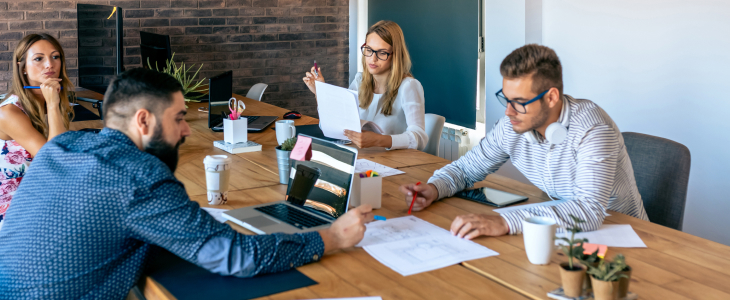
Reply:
x=181 y=74
x=572 y=250
x=289 y=144
x=608 y=270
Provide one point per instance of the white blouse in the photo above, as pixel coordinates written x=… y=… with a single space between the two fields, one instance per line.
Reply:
x=406 y=125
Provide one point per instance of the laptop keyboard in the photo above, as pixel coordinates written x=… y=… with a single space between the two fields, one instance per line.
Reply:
x=291 y=216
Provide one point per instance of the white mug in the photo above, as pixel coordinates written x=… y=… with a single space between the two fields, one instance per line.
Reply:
x=285 y=130
x=539 y=234
x=217 y=177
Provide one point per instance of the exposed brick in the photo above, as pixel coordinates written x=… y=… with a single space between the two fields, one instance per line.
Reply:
x=183 y=40
x=23 y=5
x=25 y=25
x=337 y=19
x=134 y=32
x=239 y=21
x=315 y=3
x=238 y=3
x=278 y=45
x=60 y=24
x=277 y=28
x=68 y=44
x=41 y=15
x=212 y=21
x=225 y=12
x=198 y=30
x=325 y=27
x=131 y=23
x=4 y=66
x=166 y=13
x=327 y=10
x=301 y=27
x=184 y=3
x=251 y=29
x=253 y=47
x=130 y=41
x=3 y=5
x=284 y=3
x=335 y=51
x=264 y=20
x=302 y=36
x=211 y=3
x=240 y=38
x=314 y=19
x=70 y=15
x=225 y=29
x=184 y=22
x=71 y=34
x=265 y=37
x=170 y=30
x=11 y=15
x=264 y=3
x=290 y=20
x=154 y=4
x=277 y=12
x=302 y=11
x=211 y=39
x=337 y=2
x=198 y=13
x=337 y=35
x=125 y=4
x=3 y=26
x=59 y=4
x=303 y=45
x=252 y=11
x=155 y=22
x=139 y=13
x=6 y=56
x=327 y=43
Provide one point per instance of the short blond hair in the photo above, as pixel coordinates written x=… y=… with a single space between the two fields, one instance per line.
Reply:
x=538 y=61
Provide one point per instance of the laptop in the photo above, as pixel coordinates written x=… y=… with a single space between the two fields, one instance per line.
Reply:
x=220 y=89
x=327 y=201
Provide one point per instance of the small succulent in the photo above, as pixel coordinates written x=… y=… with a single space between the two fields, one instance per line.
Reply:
x=572 y=250
x=607 y=270
x=288 y=145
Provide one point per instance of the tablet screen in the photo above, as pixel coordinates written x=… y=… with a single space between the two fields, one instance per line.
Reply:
x=491 y=196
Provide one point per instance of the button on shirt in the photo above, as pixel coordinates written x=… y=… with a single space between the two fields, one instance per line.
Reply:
x=81 y=224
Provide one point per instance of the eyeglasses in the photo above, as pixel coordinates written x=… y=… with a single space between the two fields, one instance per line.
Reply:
x=380 y=54
x=518 y=108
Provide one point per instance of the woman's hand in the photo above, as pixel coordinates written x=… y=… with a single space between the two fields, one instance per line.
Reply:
x=310 y=78
x=51 y=89
x=367 y=139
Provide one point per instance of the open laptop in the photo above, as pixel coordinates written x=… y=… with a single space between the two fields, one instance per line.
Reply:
x=220 y=89
x=327 y=201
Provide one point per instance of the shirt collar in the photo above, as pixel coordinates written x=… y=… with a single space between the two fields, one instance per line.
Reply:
x=117 y=136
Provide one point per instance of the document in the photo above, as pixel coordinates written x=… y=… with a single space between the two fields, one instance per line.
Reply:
x=611 y=235
x=216 y=213
x=338 y=110
x=363 y=165
x=409 y=245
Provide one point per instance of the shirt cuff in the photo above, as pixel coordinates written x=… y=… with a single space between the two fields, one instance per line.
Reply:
x=313 y=249
x=400 y=141
x=442 y=187
x=514 y=220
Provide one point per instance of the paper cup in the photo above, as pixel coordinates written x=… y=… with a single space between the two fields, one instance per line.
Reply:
x=217 y=177
x=539 y=233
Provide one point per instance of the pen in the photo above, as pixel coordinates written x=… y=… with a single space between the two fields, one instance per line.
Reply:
x=32 y=87
x=414 y=199
x=316 y=75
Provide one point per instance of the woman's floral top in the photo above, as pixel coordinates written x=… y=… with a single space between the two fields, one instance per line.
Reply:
x=14 y=161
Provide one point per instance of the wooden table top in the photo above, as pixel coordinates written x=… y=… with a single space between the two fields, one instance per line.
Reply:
x=675 y=265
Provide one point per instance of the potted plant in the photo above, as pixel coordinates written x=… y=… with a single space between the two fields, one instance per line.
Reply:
x=573 y=274
x=605 y=277
x=589 y=260
x=624 y=277
x=192 y=91
x=282 y=157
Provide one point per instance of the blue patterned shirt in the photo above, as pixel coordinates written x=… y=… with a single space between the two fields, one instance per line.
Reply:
x=82 y=222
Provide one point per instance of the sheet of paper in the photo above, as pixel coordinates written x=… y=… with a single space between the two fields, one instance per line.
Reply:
x=337 y=109
x=216 y=213
x=363 y=165
x=409 y=245
x=611 y=235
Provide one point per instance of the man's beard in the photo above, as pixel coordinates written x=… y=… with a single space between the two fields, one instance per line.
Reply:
x=167 y=153
x=539 y=120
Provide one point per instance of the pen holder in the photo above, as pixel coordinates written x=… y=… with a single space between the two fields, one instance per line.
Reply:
x=367 y=190
x=235 y=131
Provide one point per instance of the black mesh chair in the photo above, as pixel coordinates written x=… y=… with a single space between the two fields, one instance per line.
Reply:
x=661 y=169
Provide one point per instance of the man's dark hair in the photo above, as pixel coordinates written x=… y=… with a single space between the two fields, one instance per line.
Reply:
x=539 y=61
x=135 y=89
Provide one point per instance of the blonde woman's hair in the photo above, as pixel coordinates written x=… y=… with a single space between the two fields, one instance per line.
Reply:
x=30 y=105
x=391 y=33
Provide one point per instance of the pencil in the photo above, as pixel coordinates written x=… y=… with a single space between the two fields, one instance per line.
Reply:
x=414 y=199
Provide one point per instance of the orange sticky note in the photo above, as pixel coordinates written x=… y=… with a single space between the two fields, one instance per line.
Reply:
x=588 y=249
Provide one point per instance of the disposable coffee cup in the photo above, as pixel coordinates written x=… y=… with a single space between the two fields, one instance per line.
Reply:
x=539 y=234
x=217 y=177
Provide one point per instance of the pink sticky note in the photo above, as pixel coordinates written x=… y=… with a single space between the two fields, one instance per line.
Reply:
x=302 y=150
x=588 y=249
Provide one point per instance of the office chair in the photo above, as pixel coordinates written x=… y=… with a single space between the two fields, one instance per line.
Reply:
x=257 y=91
x=434 y=126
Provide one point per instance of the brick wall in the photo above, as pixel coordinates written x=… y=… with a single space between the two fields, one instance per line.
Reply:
x=270 y=41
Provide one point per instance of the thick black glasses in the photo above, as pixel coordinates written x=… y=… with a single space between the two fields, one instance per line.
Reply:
x=381 y=54
x=518 y=108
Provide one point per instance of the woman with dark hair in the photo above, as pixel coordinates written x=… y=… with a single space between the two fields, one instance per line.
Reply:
x=31 y=117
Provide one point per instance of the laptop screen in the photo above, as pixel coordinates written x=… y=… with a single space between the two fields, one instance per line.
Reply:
x=331 y=192
x=220 y=89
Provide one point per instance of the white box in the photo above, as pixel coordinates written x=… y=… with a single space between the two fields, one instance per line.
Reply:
x=368 y=190
x=235 y=131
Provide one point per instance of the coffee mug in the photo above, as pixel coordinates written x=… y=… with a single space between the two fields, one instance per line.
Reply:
x=217 y=177
x=285 y=130
x=539 y=234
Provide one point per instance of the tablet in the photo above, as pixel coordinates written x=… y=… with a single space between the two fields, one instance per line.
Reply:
x=491 y=197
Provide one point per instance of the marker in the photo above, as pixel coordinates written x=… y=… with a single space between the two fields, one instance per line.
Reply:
x=414 y=199
x=32 y=87
x=379 y=218
x=316 y=75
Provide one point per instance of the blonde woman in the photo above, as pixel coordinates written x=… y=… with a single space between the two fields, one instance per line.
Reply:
x=31 y=117
x=389 y=95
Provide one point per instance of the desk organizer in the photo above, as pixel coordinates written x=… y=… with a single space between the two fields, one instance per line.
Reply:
x=235 y=131
x=367 y=190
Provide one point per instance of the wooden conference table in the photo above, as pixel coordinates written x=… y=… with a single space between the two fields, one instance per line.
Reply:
x=675 y=265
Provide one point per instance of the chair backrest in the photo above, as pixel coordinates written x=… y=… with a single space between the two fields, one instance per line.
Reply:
x=257 y=91
x=434 y=126
x=661 y=169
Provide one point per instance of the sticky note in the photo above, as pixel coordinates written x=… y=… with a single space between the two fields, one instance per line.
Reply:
x=588 y=249
x=302 y=150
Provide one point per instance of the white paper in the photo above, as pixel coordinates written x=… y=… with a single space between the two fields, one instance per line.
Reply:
x=612 y=235
x=409 y=245
x=216 y=213
x=337 y=109
x=526 y=206
x=363 y=165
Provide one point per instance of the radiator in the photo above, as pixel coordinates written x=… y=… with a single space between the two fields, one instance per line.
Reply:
x=454 y=143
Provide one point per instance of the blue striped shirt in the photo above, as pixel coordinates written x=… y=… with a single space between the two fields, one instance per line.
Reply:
x=590 y=168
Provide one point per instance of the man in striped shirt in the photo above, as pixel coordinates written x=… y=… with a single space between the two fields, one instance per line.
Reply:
x=569 y=148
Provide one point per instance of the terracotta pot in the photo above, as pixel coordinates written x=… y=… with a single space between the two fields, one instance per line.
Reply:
x=572 y=279
x=623 y=283
x=604 y=290
x=587 y=282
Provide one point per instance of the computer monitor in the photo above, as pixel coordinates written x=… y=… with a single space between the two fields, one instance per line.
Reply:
x=220 y=89
x=100 y=45
x=155 y=49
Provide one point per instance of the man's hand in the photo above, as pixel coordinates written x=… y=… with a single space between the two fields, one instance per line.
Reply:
x=367 y=139
x=473 y=225
x=427 y=194
x=348 y=230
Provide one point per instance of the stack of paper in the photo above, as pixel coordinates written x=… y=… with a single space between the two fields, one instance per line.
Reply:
x=409 y=245
x=363 y=165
